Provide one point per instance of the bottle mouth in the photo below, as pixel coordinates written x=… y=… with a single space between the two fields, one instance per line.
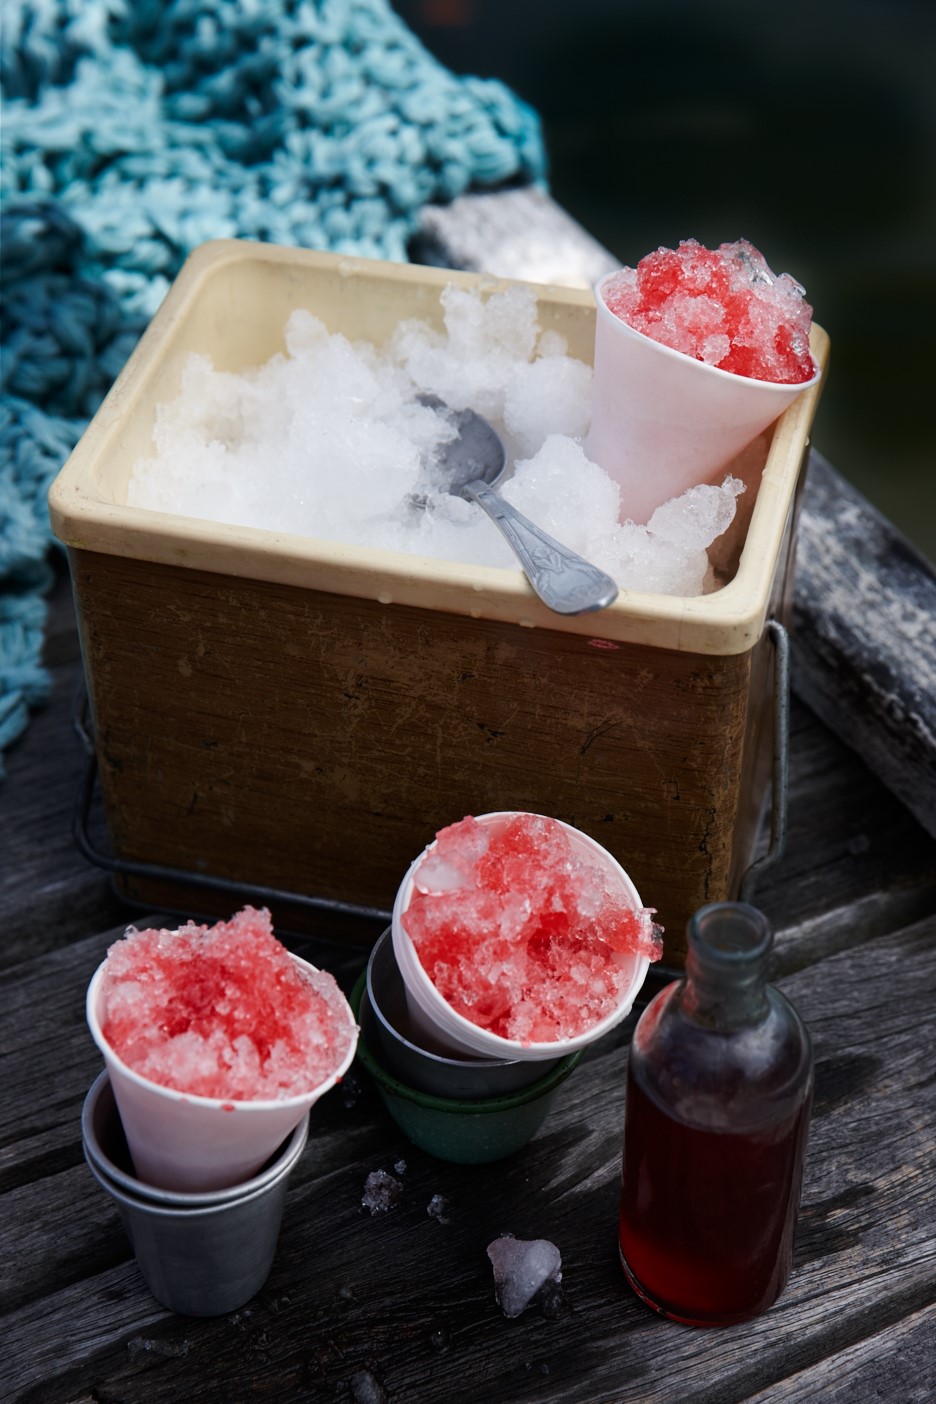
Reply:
x=730 y=934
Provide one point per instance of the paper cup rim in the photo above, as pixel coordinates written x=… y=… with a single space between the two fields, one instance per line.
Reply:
x=441 y=1059
x=789 y=388
x=137 y=1190
x=481 y=1040
x=173 y=1094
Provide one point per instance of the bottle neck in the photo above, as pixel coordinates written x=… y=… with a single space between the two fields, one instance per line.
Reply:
x=726 y=966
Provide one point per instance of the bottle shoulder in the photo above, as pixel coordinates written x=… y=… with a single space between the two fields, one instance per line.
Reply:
x=731 y=1079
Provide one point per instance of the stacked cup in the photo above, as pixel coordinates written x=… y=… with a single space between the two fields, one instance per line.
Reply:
x=456 y=1089
x=199 y=1182
x=663 y=421
x=201 y=1253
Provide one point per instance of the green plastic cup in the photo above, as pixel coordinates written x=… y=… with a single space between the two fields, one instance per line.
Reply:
x=465 y=1132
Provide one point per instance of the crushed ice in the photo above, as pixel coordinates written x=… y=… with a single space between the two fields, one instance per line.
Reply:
x=723 y=306
x=382 y=1192
x=328 y=440
x=523 y=1270
x=438 y=1208
x=365 y=1388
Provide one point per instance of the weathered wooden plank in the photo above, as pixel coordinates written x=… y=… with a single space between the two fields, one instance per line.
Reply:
x=410 y=1300
x=856 y=863
x=865 y=636
x=513 y=234
x=48 y=892
x=896 y=1363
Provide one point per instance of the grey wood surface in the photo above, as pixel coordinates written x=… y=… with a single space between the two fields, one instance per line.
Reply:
x=410 y=1300
x=865 y=636
x=399 y=1307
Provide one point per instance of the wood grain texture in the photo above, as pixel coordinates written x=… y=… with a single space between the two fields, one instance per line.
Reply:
x=511 y=234
x=47 y=891
x=410 y=1300
x=865 y=637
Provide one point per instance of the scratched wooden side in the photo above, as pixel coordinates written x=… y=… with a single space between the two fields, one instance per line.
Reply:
x=409 y=1301
x=865 y=636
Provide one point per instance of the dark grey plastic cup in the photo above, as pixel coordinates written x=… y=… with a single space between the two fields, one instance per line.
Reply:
x=200 y=1254
x=390 y=1035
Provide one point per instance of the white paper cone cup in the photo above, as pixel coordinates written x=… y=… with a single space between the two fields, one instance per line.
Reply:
x=662 y=422
x=444 y=1030
x=182 y=1142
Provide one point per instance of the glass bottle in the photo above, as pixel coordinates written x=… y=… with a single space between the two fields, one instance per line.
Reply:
x=719 y=1092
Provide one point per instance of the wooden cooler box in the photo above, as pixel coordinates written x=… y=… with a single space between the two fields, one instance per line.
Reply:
x=304 y=715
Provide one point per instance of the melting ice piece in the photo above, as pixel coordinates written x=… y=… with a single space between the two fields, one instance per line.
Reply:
x=438 y=1208
x=522 y=1268
x=381 y=1192
x=698 y=516
x=366 y=1388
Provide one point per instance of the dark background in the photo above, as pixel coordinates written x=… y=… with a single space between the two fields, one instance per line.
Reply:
x=809 y=129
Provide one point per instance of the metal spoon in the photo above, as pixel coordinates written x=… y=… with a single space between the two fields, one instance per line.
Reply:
x=470 y=465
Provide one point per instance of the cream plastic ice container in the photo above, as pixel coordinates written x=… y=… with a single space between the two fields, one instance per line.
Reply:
x=647 y=726
x=183 y=1142
x=441 y=1027
x=662 y=421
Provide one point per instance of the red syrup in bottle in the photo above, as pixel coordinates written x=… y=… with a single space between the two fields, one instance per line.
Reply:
x=719 y=1092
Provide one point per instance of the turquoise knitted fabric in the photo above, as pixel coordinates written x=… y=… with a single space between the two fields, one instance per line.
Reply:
x=133 y=131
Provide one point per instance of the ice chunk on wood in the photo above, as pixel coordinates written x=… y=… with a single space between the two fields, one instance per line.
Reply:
x=522 y=1268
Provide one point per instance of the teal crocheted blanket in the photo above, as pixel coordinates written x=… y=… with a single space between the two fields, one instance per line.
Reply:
x=134 y=130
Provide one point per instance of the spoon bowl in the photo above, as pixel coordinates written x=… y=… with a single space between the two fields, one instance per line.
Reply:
x=470 y=465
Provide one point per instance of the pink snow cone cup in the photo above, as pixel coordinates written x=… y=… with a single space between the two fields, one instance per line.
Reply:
x=192 y=1144
x=443 y=1030
x=663 y=422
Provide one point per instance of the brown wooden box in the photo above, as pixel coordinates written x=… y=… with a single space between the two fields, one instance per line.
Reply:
x=305 y=715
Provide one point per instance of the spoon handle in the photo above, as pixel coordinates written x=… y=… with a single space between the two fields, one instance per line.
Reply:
x=563 y=580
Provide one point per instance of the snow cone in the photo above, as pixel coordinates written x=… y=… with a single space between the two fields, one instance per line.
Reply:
x=697 y=352
x=217 y=1041
x=518 y=936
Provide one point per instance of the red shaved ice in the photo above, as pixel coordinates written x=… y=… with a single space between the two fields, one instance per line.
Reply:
x=722 y=306
x=223 y=1011
x=522 y=934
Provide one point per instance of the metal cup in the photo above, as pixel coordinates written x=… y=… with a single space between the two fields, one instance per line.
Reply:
x=385 y=1020
x=467 y=1131
x=202 y=1254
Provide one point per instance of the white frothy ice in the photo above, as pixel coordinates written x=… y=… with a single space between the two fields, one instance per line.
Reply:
x=330 y=440
x=522 y=1268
